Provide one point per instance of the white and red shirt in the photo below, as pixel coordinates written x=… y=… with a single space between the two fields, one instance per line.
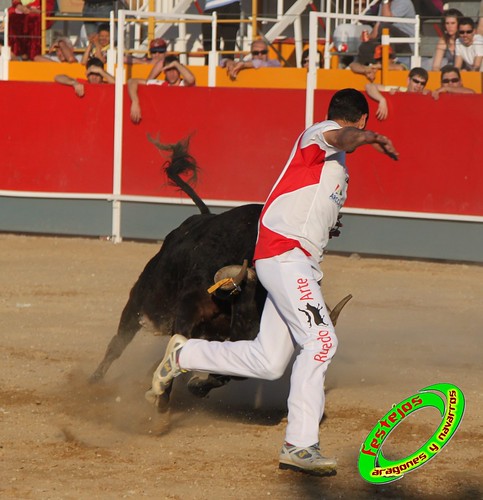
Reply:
x=304 y=203
x=164 y=83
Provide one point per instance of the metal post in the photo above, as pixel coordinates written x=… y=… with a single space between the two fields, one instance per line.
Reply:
x=297 y=26
x=416 y=59
x=385 y=56
x=254 y=18
x=111 y=51
x=5 y=50
x=118 y=115
x=312 y=73
x=213 y=55
x=43 y=25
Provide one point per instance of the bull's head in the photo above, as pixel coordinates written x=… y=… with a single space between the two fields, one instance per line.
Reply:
x=228 y=279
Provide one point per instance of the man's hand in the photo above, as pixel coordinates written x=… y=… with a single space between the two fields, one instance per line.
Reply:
x=135 y=112
x=79 y=89
x=370 y=73
x=382 y=144
x=382 y=111
x=334 y=232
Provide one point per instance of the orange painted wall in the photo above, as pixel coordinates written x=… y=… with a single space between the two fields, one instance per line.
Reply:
x=287 y=78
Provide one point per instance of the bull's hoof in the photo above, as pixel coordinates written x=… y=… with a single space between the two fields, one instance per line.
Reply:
x=161 y=401
x=95 y=378
x=201 y=385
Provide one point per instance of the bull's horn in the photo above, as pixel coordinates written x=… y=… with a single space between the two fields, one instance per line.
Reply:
x=334 y=314
x=230 y=277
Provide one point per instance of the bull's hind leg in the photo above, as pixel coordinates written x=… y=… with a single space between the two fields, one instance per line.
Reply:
x=128 y=327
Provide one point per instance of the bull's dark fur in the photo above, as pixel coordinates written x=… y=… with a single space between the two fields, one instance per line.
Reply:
x=170 y=296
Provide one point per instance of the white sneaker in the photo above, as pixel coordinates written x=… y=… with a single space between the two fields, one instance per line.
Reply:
x=308 y=460
x=168 y=369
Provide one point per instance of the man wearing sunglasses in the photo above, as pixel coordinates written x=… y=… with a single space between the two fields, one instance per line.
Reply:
x=451 y=82
x=175 y=75
x=417 y=80
x=259 y=59
x=469 y=46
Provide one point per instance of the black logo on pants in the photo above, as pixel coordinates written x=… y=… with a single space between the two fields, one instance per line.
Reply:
x=313 y=315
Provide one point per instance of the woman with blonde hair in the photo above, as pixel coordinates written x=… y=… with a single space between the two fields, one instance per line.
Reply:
x=445 y=50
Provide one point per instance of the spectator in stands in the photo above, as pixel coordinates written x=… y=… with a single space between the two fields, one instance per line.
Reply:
x=24 y=27
x=469 y=46
x=369 y=64
x=156 y=55
x=94 y=73
x=175 y=74
x=417 y=80
x=451 y=82
x=445 y=50
x=98 y=44
x=259 y=59
x=393 y=8
x=305 y=59
x=61 y=50
x=98 y=9
x=225 y=9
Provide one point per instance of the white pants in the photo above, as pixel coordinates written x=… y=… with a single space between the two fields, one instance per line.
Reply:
x=294 y=312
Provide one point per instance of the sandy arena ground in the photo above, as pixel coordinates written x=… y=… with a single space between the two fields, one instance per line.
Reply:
x=410 y=324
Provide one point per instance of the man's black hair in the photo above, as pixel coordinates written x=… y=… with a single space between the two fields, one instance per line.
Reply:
x=464 y=21
x=103 y=27
x=170 y=59
x=348 y=105
x=450 y=69
x=419 y=72
x=94 y=61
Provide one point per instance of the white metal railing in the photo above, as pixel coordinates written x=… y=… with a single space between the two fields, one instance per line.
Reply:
x=329 y=17
x=313 y=37
x=5 y=50
x=119 y=94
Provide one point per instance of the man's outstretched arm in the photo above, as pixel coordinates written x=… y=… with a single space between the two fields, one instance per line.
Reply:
x=350 y=138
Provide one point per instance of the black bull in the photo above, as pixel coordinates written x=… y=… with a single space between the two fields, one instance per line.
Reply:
x=170 y=296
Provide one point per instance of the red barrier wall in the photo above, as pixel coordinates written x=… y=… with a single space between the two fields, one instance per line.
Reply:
x=55 y=141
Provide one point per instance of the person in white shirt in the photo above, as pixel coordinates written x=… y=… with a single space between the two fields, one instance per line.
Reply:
x=469 y=46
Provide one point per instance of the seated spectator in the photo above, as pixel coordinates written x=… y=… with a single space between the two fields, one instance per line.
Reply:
x=100 y=9
x=94 y=73
x=61 y=50
x=451 y=83
x=98 y=44
x=175 y=74
x=469 y=46
x=24 y=27
x=445 y=50
x=156 y=54
x=305 y=59
x=368 y=64
x=259 y=59
x=417 y=80
x=393 y=8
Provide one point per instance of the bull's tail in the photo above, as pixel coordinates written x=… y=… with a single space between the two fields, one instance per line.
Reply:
x=181 y=162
